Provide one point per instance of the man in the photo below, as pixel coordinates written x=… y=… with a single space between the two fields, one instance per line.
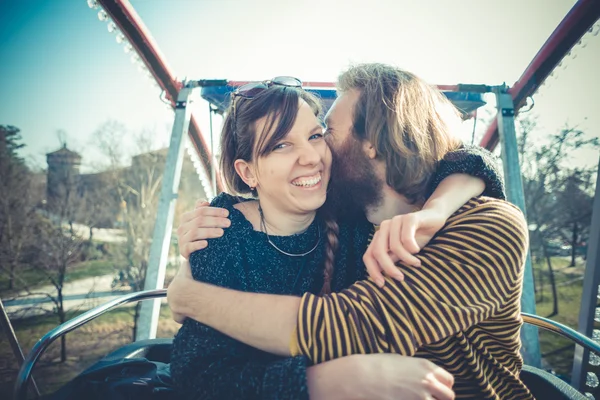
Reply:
x=459 y=309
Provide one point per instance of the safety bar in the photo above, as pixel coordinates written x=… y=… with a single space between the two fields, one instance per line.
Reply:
x=20 y=391
x=32 y=358
x=562 y=330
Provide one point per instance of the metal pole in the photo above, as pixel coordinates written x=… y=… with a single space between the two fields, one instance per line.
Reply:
x=589 y=297
x=14 y=342
x=514 y=185
x=147 y=322
x=213 y=160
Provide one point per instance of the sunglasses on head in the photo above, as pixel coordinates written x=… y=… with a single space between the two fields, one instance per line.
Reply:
x=251 y=90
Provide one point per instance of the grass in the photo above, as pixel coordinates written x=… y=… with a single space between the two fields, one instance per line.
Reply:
x=26 y=276
x=32 y=278
x=558 y=352
x=88 y=269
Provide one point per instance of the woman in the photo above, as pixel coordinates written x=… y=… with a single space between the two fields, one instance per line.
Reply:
x=281 y=242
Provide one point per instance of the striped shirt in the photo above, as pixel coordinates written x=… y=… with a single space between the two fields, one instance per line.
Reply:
x=460 y=309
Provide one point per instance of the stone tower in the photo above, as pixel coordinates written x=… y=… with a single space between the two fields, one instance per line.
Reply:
x=63 y=175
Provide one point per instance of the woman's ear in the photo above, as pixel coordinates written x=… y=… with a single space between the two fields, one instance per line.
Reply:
x=246 y=172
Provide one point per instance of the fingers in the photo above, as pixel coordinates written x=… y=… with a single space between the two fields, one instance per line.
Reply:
x=377 y=259
x=396 y=244
x=204 y=221
x=188 y=248
x=200 y=224
x=443 y=376
x=408 y=233
x=439 y=391
x=197 y=234
x=201 y=203
x=381 y=252
x=196 y=239
x=372 y=266
x=204 y=211
x=440 y=384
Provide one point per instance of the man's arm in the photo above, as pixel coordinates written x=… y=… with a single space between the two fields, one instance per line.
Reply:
x=468 y=272
x=404 y=235
x=263 y=321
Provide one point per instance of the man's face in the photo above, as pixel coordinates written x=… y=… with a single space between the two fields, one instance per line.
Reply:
x=354 y=184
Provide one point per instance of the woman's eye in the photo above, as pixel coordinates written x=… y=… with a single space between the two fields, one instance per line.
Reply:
x=316 y=136
x=280 y=146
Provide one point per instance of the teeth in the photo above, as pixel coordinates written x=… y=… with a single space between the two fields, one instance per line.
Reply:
x=307 y=182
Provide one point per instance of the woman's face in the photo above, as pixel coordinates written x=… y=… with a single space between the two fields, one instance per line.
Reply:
x=294 y=176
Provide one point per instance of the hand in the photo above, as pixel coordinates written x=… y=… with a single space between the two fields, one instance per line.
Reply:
x=379 y=377
x=202 y=223
x=392 y=376
x=175 y=292
x=398 y=239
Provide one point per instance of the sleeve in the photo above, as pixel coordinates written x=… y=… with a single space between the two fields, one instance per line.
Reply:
x=472 y=270
x=207 y=364
x=475 y=161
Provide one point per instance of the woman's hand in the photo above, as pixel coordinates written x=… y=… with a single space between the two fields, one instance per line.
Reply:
x=398 y=239
x=202 y=223
x=379 y=377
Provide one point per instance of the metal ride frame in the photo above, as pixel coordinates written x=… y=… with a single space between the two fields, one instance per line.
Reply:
x=509 y=100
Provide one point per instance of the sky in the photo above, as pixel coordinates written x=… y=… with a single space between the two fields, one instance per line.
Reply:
x=60 y=68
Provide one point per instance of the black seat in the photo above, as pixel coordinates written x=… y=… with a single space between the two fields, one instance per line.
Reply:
x=544 y=385
x=151 y=349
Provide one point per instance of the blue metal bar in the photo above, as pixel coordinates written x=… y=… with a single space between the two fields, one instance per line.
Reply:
x=32 y=358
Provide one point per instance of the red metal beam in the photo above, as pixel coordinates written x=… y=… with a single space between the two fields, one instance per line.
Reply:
x=575 y=24
x=131 y=25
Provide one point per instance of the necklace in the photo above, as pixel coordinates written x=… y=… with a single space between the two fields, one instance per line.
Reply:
x=263 y=226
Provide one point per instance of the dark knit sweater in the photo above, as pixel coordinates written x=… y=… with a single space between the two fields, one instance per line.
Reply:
x=207 y=364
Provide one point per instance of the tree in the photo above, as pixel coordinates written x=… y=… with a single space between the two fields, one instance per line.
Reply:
x=98 y=203
x=556 y=194
x=575 y=202
x=56 y=249
x=30 y=235
x=16 y=205
x=137 y=188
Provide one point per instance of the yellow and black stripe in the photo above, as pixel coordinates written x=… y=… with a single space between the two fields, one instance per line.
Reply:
x=460 y=309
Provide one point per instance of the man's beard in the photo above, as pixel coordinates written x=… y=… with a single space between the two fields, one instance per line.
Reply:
x=354 y=185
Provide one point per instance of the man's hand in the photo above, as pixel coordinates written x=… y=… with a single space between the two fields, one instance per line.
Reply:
x=379 y=377
x=398 y=239
x=202 y=223
x=176 y=292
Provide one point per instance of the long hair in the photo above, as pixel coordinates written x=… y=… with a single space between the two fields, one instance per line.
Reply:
x=409 y=122
x=240 y=140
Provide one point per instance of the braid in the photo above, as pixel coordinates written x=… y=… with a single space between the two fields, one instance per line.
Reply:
x=332 y=231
